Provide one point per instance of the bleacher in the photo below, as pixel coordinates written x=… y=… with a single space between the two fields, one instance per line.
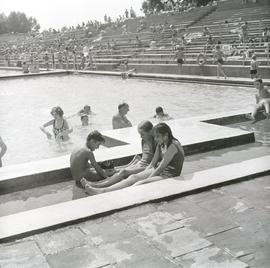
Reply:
x=222 y=21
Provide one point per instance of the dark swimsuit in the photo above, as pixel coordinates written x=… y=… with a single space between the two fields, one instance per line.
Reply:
x=56 y=131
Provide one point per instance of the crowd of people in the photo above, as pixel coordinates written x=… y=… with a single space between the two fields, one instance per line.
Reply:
x=162 y=157
x=162 y=154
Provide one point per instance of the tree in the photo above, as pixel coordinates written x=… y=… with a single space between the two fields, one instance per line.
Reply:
x=149 y=6
x=3 y=23
x=17 y=22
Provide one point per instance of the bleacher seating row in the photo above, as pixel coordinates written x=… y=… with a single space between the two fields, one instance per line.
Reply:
x=223 y=25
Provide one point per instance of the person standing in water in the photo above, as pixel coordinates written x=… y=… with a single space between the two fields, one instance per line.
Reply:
x=120 y=120
x=61 y=128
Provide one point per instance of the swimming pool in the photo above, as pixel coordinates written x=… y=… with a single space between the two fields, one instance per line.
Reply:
x=25 y=105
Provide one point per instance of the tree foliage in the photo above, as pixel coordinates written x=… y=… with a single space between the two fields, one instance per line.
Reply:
x=152 y=6
x=17 y=22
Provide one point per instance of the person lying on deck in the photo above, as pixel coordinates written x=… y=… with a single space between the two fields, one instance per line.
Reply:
x=167 y=162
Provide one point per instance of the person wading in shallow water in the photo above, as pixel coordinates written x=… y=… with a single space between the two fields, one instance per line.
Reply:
x=61 y=129
x=120 y=120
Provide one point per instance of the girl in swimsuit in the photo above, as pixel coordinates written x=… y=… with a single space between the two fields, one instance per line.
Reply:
x=167 y=162
x=61 y=129
x=138 y=163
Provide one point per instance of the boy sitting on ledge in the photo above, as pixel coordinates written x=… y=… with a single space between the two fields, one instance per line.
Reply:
x=79 y=160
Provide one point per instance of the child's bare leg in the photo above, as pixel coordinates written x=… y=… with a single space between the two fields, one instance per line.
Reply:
x=266 y=105
x=222 y=72
x=120 y=185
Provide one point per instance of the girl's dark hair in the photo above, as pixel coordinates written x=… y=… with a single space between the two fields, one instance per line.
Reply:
x=95 y=135
x=163 y=129
x=58 y=110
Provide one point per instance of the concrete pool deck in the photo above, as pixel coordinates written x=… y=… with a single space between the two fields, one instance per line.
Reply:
x=126 y=143
x=224 y=227
x=62 y=214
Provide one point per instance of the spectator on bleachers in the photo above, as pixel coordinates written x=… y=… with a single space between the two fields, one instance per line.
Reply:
x=60 y=59
x=132 y=13
x=142 y=26
x=46 y=61
x=183 y=41
x=206 y=31
x=126 y=14
x=209 y=44
x=138 y=41
x=244 y=32
x=25 y=68
x=180 y=56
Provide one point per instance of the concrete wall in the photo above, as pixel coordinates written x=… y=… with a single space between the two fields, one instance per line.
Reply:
x=206 y=70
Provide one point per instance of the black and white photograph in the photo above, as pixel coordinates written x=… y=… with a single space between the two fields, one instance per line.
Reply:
x=135 y=134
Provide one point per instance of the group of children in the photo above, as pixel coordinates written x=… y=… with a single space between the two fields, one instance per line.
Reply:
x=162 y=157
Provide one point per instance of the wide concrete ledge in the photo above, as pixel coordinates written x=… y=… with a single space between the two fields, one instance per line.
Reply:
x=183 y=78
x=127 y=144
x=41 y=73
x=37 y=220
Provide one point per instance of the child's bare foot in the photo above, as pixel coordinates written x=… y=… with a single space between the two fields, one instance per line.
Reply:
x=89 y=190
x=83 y=182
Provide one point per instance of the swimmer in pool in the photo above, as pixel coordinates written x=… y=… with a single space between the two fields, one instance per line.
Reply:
x=84 y=115
x=161 y=116
x=120 y=120
x=61 y=128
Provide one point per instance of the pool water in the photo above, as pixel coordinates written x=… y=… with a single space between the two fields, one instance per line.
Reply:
x=25 y=105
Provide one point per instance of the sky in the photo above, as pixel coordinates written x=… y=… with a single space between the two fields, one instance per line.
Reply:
x=57 y=13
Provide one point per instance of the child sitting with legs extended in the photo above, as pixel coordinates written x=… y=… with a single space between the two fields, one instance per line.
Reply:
x=167 y=162
x=138 y=163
